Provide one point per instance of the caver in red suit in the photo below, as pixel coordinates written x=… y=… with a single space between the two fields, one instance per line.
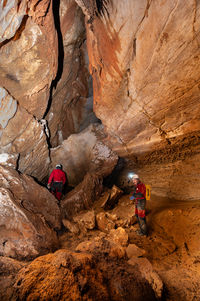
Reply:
x=140 y=202
x=56 y=181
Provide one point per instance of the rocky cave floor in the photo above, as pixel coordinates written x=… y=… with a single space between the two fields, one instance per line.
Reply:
x=172 y=248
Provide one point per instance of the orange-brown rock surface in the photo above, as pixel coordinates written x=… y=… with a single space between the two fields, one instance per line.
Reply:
x=82 y=196
x=142 y=57
x=28 y=63
x=71 y=107
x=67 y=275
x=29 y=216
x=144 y=61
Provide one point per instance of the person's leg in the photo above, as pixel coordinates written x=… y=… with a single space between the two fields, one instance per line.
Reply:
x=142 y=218
x=59 y=188
x=137 y=217
x=58 y=195
x=136 y=213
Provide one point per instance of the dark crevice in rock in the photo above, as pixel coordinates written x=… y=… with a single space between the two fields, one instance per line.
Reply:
x=102 y=7
x=56 y=7
x=110 y=180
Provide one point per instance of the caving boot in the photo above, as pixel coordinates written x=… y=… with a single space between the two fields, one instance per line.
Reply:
x=143 y=227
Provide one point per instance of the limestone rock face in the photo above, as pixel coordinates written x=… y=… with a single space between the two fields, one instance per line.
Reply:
x=28 y=140
x=11 y=16
x=29 y=215
x=28 y=63
x=72 y=102
x=145 y=62
x=84 y=152
x=142 y=57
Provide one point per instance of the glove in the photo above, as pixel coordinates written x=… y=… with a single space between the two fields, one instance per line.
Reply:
x=48 y=186
x=132 y=198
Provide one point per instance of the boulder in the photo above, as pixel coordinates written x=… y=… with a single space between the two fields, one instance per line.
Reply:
x=84 y=152
x=29 y=216
x=104 y=223
x=114 y=196
x=149 y=274
x=82 y=197
x=133 y=251
x=124 y=212
x=119 y=236
x=67 y=275
x=72 y=227
x=102 y=244
x=85 y=220
x=8 y=269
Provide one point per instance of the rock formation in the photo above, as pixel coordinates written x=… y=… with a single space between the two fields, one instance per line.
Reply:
x=141 y=82
x=144 y=59
x=84 y=152
x=29 y=216
x=28 y=63
x=80 y=276
x=71 y=107
x=137 y=63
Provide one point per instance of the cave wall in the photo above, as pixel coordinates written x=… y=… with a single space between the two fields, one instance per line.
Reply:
x=28 y=64
x=144 y=59
x=71 y=103
x=45 y=85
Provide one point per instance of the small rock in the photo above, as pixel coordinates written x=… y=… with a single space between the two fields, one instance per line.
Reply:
x=73 y=228
x=149 y=274
x=104 y=223
x=114 y=197
x=119 y=236
x=133 y=251
x=85 y=220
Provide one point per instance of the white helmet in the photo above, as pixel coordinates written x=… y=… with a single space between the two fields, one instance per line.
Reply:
x=133 y=175
x=58 y=166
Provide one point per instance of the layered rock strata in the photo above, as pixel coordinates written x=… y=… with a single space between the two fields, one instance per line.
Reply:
x=144 y=58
